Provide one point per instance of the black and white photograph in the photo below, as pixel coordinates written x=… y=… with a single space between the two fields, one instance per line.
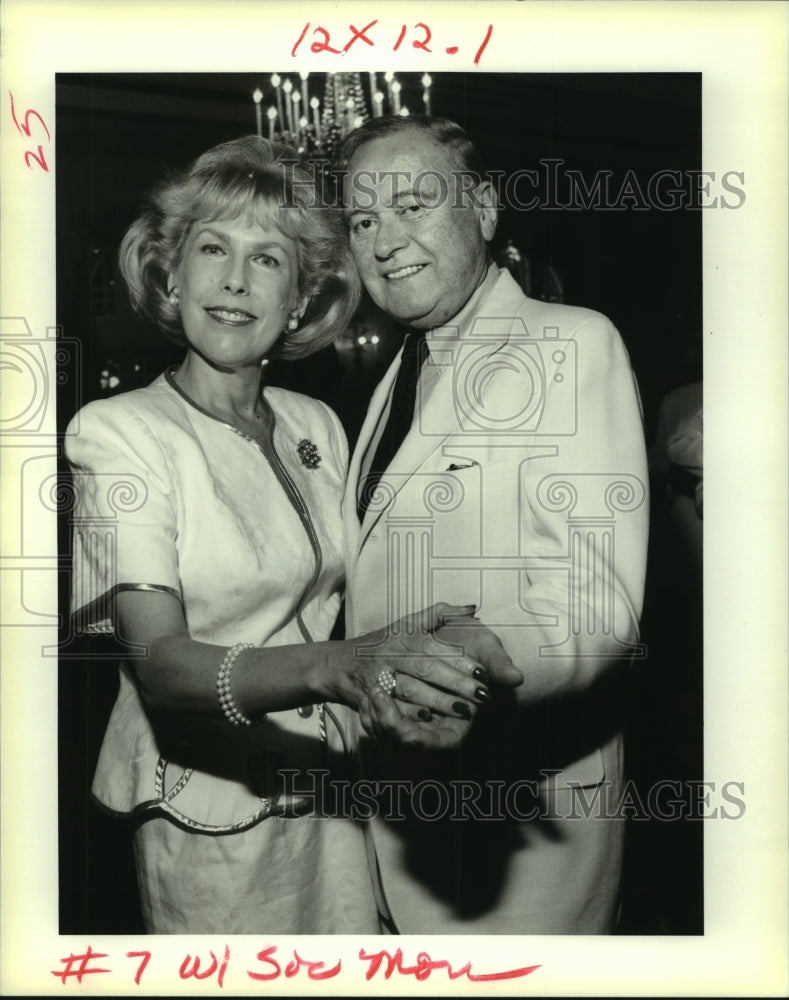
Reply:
x=571 y=198
x=360 y=477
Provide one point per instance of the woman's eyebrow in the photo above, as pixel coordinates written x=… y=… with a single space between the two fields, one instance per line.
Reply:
x=265 y=244
x=269 y=245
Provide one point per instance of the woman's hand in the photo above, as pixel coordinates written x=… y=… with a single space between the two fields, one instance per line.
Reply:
x=441 y=661
x=421 y=679
x=383 y=717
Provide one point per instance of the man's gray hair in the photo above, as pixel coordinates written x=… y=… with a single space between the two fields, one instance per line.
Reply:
x=441 y=130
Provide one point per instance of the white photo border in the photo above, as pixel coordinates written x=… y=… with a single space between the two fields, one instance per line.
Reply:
x=740 y=49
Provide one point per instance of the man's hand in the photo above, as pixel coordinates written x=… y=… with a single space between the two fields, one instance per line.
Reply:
x=431 y=673
x=479 y=643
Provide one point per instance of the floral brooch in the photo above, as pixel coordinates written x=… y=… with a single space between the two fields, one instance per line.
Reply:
x=308 y=453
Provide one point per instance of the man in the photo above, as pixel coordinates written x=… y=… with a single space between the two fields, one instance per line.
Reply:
x=519 y=487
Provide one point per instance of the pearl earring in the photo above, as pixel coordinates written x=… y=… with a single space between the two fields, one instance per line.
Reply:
x=293 y=323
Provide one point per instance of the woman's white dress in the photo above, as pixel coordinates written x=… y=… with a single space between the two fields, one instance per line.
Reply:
x=169 y=498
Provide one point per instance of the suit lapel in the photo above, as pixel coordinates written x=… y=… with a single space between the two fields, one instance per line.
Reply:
x=378 y=401
x=436 y=417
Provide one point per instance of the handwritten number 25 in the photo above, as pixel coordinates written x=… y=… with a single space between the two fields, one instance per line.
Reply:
x=24 y=128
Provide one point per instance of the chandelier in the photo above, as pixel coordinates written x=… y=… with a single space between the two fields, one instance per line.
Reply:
x=316 y=124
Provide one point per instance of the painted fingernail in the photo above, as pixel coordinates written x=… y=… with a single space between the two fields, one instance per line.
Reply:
x=482 y=694
x=479 y=674
x=425 y=714
x=461 y=708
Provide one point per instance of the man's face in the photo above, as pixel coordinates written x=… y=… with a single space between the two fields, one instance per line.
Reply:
x=417 y=233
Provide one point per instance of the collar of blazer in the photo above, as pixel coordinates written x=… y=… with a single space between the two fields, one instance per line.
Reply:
x=484 y=326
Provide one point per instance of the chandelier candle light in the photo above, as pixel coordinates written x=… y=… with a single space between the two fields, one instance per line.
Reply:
x=344 y=105
x=396 y=91
x=316 y=118
x=304 y=90
x=287 y=87
x=257 y=97
x=426 y=83
x=295 y=98
x=275 y=82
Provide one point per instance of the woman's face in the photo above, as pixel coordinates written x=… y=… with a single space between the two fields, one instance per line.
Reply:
x=237 y=288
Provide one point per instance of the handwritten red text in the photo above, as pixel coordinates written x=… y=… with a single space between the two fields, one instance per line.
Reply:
x=216 y=966
x=313 y=969
x=272 y=966
x=31 y=120
x=83 y=968
x=425 y=966
x=419 y=35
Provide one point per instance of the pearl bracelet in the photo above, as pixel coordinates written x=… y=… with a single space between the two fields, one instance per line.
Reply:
x=226 y=701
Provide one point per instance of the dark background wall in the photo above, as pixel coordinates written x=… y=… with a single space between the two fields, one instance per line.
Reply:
x=118 y=133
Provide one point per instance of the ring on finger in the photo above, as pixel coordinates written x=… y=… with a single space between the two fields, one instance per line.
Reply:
x=387 y=681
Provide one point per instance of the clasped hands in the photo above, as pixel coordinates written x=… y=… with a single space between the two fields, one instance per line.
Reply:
x=419 y=681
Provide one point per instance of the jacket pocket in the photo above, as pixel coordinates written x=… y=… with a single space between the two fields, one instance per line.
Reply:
x=583 y=773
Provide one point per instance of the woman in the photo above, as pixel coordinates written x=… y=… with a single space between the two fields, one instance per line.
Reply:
x=208 y=538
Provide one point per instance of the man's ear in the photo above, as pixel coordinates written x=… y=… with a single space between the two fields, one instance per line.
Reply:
x=488 y=209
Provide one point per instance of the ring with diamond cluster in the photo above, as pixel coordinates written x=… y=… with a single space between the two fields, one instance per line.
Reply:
x=386 y=681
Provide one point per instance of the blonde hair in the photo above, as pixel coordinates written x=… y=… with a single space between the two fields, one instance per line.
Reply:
x=244 y=176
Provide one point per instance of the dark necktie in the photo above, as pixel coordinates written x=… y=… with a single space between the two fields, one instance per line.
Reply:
x=401 y=415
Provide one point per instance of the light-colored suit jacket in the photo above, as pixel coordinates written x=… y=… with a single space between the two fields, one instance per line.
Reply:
x=521 y=488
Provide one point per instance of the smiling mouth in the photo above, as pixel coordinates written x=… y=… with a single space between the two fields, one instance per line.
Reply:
x=232 y=317
x=404 y=272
